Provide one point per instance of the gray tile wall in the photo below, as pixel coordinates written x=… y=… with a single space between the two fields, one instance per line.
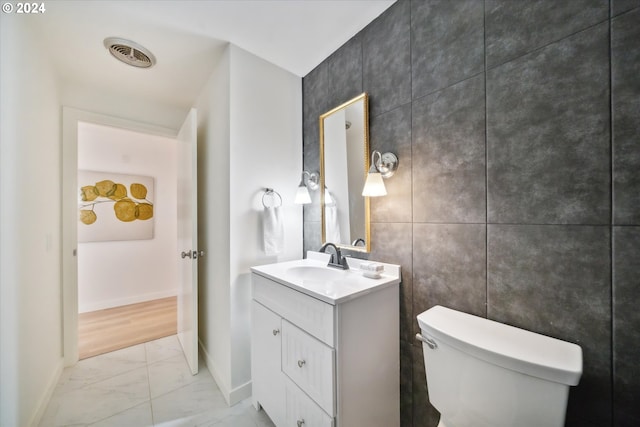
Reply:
x=517 y=125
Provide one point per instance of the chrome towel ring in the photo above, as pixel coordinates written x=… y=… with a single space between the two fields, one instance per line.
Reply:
x=274 y=202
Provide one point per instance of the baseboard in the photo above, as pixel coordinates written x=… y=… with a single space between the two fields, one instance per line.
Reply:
x=222 y=385
x=41 y=407
x=231 y=396
x=117 y=302
x=238 y=394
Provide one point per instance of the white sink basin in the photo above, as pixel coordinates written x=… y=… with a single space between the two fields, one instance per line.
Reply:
x=308 y=272
x=313 y=277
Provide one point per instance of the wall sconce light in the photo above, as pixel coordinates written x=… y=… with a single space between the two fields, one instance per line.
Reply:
x=302 y=195
x=385 y=167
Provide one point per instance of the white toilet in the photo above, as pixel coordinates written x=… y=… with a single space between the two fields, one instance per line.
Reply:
x=482 y=373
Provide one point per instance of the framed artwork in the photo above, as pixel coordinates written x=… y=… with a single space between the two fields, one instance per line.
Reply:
x=114 y=206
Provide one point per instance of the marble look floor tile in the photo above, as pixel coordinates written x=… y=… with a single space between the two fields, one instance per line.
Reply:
x=99 y=368
x=143 y=386
x=171 y=374
x=245 y=407
x=164 y=348
x=50 y=412
x=243 y=420
x=100 y=400
x=260 y=418
x=139 y=416
x=195 y=404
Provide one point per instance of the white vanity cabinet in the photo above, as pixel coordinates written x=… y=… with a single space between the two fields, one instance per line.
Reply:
x=321 y=362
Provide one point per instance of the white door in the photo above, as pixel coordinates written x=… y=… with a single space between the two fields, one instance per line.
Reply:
x=188 y=240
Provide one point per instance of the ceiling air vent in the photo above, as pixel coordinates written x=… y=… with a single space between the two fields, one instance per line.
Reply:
x=129 y=52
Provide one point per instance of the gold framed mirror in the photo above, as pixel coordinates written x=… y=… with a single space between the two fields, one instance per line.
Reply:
x=344 y=162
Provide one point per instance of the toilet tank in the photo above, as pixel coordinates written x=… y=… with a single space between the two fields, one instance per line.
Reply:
x=484 y=373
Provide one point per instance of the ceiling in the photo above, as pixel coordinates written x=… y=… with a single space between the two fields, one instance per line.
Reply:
x=187 y=38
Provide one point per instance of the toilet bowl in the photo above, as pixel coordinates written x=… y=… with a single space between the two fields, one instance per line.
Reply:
x=482 y=373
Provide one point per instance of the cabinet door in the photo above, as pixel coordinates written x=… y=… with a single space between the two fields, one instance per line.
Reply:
x=266 y=373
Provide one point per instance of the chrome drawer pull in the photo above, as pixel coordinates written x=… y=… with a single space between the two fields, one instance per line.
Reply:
x=428 y=341
x=300 y=365
x=276 y=332
x=300 y=422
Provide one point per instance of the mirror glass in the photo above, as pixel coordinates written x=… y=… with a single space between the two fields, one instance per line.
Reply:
x=344 y=163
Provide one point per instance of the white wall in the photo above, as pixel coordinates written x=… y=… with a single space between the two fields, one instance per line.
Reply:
x=213 y=224
x=117 y=273
x=266 y=151
x=30 y=285
x=250 y=137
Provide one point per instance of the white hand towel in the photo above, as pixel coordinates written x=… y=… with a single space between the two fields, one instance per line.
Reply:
x=332 y=227
x=273 y=230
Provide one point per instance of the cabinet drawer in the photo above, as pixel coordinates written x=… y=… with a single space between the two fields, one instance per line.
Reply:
x=308 y=313
x=310 y=364
x=301 y=410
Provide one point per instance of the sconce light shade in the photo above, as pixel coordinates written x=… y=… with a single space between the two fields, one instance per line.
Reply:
x=302 y=196
x=374 y=186
x=385 y=167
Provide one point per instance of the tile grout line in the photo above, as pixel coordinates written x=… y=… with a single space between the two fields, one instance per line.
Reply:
x=146 y=361
x=413 y=314
x=486 y=166
x=612 y=341
x=539 y=48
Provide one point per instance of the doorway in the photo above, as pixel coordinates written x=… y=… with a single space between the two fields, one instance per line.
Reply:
x=73 y=123
x=125 y=261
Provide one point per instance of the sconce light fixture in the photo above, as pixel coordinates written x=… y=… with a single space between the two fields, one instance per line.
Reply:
x=302 y=195
x=384 y=167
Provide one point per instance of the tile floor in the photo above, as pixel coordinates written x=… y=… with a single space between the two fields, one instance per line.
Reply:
x=146 y=385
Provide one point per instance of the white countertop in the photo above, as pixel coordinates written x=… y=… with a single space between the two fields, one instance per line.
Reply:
x=338 y=287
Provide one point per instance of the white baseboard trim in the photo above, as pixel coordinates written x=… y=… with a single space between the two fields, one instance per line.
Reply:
x=238 y=394
x=215 y=373
x=231 y=396
x=41 y=407
x=117 y=302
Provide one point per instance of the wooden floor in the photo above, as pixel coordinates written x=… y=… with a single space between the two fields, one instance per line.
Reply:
x=108 y=330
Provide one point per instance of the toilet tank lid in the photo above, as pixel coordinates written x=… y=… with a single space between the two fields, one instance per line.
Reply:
x=503 y=345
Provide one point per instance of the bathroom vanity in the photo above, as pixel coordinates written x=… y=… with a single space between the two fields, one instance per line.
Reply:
x=325 y=344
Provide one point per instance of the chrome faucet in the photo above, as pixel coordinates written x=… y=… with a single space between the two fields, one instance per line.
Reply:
x=336 y=260
x=358 y=241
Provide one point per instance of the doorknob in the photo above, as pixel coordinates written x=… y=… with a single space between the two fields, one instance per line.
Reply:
x=197 y=254
x=192 y=254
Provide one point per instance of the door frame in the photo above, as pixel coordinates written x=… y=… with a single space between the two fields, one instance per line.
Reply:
x=69 y=214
